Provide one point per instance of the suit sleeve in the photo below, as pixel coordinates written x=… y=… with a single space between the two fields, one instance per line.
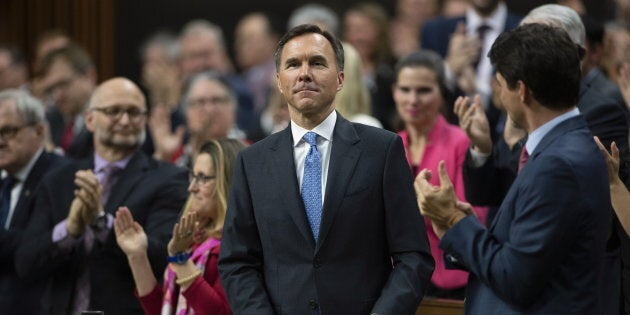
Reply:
x=546 y=213
x=241 y=258
x=406 y=237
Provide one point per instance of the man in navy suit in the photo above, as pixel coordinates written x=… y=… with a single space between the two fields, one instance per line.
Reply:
x=352 y=242
x=464 y=43
x=69 y=241
x=23 y=163
x=543 y=251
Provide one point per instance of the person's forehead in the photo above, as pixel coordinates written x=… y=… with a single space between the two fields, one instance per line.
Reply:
x=119 y=96
x=8 y=112
x=310 y=43
x=207 y=87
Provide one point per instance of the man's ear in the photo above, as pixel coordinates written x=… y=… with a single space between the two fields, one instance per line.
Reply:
x=524 y=93
x=278 y=83
x=340 y=80
x=88 y=117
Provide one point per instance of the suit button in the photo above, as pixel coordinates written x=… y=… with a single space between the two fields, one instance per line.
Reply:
x=317 y=262
x=313 y=304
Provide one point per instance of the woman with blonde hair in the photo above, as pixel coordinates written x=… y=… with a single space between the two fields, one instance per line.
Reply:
x=191 y=280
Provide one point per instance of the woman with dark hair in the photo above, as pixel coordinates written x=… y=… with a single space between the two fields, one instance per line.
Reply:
x=191 y=280
x=420 y=93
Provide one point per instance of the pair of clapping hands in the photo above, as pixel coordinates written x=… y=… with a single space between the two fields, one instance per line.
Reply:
x=86 y=205
x=133 y=240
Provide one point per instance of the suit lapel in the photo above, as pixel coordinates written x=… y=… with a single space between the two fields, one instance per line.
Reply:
x=126 y=181
x=343 y=160
x=282 y=157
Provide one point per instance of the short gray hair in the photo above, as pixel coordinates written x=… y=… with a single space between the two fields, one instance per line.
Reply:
x=212 y=76
x=164 y=39
x=195 y=27
x=559 y=16
x=29 y=108
x=314 y=13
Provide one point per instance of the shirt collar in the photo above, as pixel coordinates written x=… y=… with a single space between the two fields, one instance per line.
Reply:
x=537 y=135
x=324 y=129
x=23 y=173
x=100 y=163
x=496 y=20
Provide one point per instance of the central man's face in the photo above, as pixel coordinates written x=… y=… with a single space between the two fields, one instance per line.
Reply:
x=308 y=77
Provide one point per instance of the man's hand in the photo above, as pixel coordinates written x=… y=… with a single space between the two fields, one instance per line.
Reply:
x=169 y=142
x=439 y=204
x=89 y=191
x=463 y=50
x=473 y=121
x=612 y=159
x=74 y=223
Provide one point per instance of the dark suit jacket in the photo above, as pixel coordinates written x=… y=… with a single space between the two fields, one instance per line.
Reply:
x=598 y=81
x=81 y=147
x=270 y=263
x=13 y=290
x=543 y=251
x=154 y=192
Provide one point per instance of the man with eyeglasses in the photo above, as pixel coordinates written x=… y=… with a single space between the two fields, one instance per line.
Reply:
x=70 y=241
x=23 y=162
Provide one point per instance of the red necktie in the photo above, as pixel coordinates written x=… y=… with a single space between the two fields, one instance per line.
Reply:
x=68 y=135
x=523 y=158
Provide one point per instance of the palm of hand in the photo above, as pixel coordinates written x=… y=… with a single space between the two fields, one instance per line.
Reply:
x=132 y=241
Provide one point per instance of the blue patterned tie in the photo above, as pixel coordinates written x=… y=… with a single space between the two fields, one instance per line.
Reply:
x=312 y=184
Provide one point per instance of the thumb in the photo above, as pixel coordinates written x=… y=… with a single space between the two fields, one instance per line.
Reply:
x=478 y=106
x=445 y=181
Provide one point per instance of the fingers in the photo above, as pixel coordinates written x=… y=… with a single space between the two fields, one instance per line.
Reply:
x=615 y=151
x=421 y=184
x=445 y=181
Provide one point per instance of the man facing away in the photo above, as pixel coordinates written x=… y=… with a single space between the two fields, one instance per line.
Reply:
x=322 y=216
x=69 y=242
x=544 y=249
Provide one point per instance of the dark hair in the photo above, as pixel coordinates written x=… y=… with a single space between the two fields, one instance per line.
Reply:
x=308 y=29
x=544 y=58
x=425 y=59
x=77 y=58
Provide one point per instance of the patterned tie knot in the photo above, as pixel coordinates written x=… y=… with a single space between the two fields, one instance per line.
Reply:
x=310 y=138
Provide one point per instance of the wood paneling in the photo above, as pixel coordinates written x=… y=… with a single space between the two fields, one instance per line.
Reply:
x=89 y=22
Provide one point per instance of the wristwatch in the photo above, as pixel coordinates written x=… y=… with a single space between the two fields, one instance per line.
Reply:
x=100 y=223
x=179 y=258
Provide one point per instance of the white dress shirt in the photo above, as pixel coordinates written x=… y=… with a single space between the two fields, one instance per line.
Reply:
x=20 y=177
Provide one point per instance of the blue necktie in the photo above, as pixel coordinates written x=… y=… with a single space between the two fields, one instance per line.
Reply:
x=312 y=184
x=5 y=199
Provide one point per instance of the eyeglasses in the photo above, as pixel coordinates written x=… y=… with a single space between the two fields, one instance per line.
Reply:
x=9 y=132
x=116 y=113
x=214 y=101
x=199 y=178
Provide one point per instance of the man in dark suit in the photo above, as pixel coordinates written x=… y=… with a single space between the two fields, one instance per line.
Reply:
x=353 y=241
x=69 y=241
x=464 y=43
x=23 y=163
x=68 y=80
x=543 y=252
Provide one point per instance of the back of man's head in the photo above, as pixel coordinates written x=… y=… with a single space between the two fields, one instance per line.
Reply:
x=559 y=16
x=544 y=58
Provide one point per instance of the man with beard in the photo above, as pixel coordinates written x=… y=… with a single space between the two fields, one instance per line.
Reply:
x=69 y=242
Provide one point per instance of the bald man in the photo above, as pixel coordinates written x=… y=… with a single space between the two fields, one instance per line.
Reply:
x=69 y=242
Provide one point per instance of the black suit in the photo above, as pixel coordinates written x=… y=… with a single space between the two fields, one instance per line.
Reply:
x=154 y=192
x=16 y=295
x=82 y=145
x=270 y=263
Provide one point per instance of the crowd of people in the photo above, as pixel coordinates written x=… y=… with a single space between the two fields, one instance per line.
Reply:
x=354 y=164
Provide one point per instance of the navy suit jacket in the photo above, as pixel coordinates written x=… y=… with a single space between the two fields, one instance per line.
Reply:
x=436 y=33
x=543 y=251
x=372 y=254
x=154 y=191
x=13 y=291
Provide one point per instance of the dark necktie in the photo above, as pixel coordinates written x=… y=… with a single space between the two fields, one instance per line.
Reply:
x=482 y=30
x=522 y=159
x=5 y=199
x=312 y=184
x=109 y=176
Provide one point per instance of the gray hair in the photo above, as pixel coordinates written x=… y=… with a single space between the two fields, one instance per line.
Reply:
x=164 y=39
x=314 y=13
x=208 y=76
x=196 y=27
x=29 y=108
x=559 y=16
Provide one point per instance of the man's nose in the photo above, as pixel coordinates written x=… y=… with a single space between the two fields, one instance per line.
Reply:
x=305 y=72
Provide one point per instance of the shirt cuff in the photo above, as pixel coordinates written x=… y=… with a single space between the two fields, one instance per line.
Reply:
x=478 y=158
x=61 y=237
